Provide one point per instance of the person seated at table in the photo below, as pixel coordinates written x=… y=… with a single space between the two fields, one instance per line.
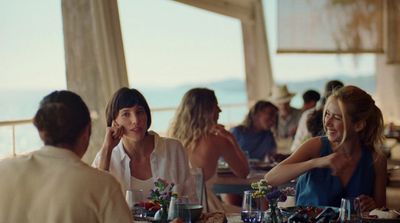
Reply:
x=254 y=135
x=314 y=123
x=136 y=156
x=52 y=184
x=195 y=124
x=288 y=116
x=310 y=99
x=310 y=123
x=347 y=162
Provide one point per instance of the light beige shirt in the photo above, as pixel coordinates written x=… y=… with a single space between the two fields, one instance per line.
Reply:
x=302 y=133
x=285 y=126
x=53 y=185
x=168 y=161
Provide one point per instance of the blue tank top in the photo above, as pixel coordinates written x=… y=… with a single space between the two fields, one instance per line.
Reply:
x=257 y=144
x=318 y=187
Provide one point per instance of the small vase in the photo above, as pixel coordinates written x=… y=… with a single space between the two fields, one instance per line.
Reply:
x=162 y=214
x=273 y=214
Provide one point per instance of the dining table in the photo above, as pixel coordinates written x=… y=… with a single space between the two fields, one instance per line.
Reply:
x=227 y=182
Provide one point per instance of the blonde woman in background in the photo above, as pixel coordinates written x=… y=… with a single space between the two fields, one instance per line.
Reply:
x=196 y=125
x=347 y=162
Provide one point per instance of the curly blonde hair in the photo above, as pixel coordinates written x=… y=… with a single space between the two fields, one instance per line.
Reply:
x=194 y=118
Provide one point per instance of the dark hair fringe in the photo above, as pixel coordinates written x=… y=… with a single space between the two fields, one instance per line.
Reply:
x=126 y=98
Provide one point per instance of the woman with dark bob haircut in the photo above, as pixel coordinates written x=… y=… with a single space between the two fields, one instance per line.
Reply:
x=137 y=157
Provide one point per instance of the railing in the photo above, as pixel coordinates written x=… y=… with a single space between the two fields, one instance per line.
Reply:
x=12 y=124
x=226 y=108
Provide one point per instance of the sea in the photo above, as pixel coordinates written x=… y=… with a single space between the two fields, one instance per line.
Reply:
x=22 y=104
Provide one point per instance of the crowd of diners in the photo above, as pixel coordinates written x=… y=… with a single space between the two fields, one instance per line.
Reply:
x=335 y=153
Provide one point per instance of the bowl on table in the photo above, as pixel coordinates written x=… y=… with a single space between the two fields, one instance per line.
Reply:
x=195 y=211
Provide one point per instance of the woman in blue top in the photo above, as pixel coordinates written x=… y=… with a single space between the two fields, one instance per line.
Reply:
x=347 y=162
x=254 y=134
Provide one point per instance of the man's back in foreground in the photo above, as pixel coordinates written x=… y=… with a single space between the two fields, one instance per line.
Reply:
x=52 y=185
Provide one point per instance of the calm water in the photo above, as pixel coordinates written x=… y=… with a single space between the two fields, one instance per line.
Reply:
x=22 y=104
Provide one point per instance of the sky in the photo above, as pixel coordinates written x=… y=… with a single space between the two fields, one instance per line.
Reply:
x=163 y=40
x=166 y=44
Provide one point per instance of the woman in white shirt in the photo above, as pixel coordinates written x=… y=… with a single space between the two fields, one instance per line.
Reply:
x=138 y=157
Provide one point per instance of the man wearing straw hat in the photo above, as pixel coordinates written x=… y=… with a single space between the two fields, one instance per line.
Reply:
x=288 y=116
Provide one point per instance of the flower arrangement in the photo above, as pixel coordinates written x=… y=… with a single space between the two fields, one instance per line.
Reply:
x=262 y=189
x=161 y=195
x=162 y=192
x=272 y=194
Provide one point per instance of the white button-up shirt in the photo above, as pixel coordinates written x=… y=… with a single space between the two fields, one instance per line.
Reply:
x=168 y=161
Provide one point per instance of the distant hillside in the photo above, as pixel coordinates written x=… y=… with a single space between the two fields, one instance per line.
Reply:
x=234 y=90
x=365 y=82
x=223 y=85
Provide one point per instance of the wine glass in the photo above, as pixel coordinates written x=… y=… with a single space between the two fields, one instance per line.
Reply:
x=251 y=208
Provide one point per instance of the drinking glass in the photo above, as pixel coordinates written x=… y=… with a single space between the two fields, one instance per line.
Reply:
x=181 y=209
x=344 y=210
x=222 y=163
x=198 y=177
x=135 y=200
x=357 y=209
x=251 y=208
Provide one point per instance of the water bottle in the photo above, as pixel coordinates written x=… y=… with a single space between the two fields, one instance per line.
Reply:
x=172 y=209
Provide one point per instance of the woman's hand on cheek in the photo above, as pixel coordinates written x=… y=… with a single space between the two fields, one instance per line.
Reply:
x=221 y=131
x=117 y=130
x=113 y=135
x=217 y=129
